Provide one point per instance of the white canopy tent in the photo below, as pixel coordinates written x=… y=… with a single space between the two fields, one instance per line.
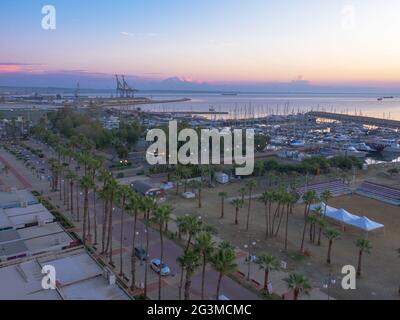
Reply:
x=366 y=224
x=345 y=217
x=322 y=205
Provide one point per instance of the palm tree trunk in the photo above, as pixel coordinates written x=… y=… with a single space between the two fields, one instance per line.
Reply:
x=77 y=203
x=147 y=260
x=60 y=188
x=237 y=216
x=95 y=216
x=85 y=214
x=188 y=242
x=328 y=260
x=275 y=216
x=188 y=284
x=121 y=240
x=286 y=229
x=269 y=216
x=266 y=222
x=181 y=282
x=303 y=237
x=296 y=294
x=133 y=256
x=222 y=208
x=248 y=213
x=359 y=263
x=319 y=236
x=161 y=261
x=266 y=279
x=65 y=192
x=280 y=222
x=199 y=198
x=109 y=235
x=304 y=231
x=71 y=190
x=89 y=226
x=219 y=284
x=104 y=226
x=203 y=275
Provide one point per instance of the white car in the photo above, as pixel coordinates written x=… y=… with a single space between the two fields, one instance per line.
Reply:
x=188 y=195
x=155 y=265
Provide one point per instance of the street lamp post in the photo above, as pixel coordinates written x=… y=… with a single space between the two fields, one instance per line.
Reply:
x=328 y=283
x=249 y=257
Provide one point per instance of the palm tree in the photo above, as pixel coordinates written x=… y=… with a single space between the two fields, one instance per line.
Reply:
x=104 y=193
x=224 y=262
x=223 y=195
x=298 y=283
x=132 y=206
x=292 y=200
x=322 y=225
x=266 y=198
x=123 y=193
x=191 y=260
x=181 y=222
x=267 y=263
x=193 y=226
x=185 y=173
x=325 y=197
x=242 y=192
x=199 y=186
x=308 y=198
x=312 y=219
x=331 y=235
x=181 y=263
x=237 y=203
x=71 y=177
x=94 y=166
x=205 y=246
x=250 y=186
x=113 y=187
x=162 y=216
x=86 y=184
x=147 y=205
x=363 y=245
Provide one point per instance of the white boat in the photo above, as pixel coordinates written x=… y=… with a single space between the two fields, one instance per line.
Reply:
x=390 y=145
x=393 y=148
x=350 y=151
x=363 y=147
x=297 y=143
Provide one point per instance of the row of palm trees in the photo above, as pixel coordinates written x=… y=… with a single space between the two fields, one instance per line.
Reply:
x=203 y=253
x=317 y=217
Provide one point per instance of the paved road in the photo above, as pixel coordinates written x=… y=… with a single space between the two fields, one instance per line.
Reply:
x=229 y=287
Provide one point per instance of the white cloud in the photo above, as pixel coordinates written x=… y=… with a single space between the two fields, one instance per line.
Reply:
x=148 y=34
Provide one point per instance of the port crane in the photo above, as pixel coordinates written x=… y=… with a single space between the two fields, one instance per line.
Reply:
x=123 y=88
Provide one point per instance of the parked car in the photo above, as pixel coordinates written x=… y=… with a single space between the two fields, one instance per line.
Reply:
x=188 y=195
x=141 y=253
x=155 y=265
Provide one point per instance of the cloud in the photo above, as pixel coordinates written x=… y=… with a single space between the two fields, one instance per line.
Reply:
x=148 y=34
x=18 y=64
x=13 y=67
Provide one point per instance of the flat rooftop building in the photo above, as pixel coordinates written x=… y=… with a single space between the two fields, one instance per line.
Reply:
x=78 y=277
x=33 y=241
x=16 y=198
x=22 y=217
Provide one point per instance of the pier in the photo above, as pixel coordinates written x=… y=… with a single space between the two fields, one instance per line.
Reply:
x=387 y=123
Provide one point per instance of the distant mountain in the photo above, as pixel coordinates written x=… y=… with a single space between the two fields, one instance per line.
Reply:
x=99 y=82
